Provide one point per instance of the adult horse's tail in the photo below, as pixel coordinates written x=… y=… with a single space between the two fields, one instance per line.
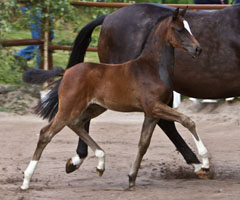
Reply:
x=48 y=107
x=82 y=41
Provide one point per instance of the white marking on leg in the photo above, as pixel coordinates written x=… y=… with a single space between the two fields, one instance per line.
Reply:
x=77 y=161
x=176 y=99
x=197 y=167
x=28 y=174
x=202 y=151
x=186 y=26
x=101 y=159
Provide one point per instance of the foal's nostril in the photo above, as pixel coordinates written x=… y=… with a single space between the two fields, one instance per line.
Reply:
x=198 y=50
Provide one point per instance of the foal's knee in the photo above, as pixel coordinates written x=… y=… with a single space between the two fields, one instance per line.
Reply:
x=188 y=123
x=44 y=136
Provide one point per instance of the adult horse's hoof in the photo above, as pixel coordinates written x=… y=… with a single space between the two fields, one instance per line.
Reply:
x=70 y=167
x=204 y=174
x=99 y=172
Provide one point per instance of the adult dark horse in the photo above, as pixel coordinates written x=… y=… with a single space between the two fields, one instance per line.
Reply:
x=89 y=89
x=215 y=74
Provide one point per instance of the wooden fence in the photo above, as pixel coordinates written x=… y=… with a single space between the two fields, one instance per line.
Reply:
x=46 y=48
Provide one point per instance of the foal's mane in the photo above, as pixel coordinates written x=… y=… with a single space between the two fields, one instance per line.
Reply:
x=152 y=29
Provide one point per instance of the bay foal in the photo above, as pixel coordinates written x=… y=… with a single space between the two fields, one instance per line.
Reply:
x=141 y=85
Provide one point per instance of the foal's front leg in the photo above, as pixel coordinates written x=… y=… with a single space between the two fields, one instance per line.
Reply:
x=165 y=112
x=146 y=135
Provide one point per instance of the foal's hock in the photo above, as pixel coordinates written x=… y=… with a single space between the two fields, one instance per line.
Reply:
x=89 y=89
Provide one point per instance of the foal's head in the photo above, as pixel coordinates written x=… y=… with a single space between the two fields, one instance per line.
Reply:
x=180 y=36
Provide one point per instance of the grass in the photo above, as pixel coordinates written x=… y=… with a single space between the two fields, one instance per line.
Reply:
x=60 y=58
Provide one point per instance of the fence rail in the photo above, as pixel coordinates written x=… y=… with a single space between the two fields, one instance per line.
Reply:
x=120 y=5
x=10 y=43
x=68 y=48
x=51 y=48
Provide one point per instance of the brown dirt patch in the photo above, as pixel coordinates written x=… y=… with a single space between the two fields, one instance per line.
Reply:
x=163 y=174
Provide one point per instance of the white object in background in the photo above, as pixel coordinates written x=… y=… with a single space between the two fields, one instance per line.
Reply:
x=209 y=101
x=176 y=99
x=194 y=100
x=229 y=99
x=43 y=94
x=203 y=101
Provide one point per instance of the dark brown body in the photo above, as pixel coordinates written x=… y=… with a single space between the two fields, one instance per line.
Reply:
x=215 y=74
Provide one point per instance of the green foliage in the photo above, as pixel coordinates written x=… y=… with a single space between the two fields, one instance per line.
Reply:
x=179 y=1
x=10 y=72
x=9 y=12
x=149 y=1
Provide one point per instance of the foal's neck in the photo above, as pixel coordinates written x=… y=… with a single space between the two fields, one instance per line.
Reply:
x=159 y=53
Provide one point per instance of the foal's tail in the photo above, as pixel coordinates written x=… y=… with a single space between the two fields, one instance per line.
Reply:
x=48 y=106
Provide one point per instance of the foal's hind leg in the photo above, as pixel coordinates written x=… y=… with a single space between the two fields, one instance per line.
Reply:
x=91 y=112
x=46 y=134
x=165 y=112
x=99 y=153
x=78 y=127
x=76 y=161
x=146 y=135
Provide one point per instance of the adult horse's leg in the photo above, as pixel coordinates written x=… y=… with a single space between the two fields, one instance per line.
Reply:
x=170 y=130
x=163 y=111
x=146 y=135
x=91 y=112
x=46 y=134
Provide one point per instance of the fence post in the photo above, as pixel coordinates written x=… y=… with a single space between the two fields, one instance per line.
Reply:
x=46 y=53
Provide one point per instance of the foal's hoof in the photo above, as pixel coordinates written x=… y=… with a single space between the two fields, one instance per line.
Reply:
x=99 y=171
x=204 y=173
x=70 y=167
x=132 y=184
x=130 y=188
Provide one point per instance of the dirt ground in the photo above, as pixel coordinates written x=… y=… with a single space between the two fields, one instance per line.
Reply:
x=163 y=174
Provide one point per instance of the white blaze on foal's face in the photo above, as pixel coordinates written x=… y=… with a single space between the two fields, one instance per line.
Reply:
x=186 y=26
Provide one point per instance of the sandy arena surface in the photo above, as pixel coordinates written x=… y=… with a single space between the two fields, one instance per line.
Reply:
x=163 y=174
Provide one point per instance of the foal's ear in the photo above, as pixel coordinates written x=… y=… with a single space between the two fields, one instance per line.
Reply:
x=183 y=12
x=176 y=14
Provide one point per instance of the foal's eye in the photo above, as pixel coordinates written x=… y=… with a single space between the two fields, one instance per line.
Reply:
x=179 y=30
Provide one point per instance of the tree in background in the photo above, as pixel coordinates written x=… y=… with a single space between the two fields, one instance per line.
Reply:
x=11 y=19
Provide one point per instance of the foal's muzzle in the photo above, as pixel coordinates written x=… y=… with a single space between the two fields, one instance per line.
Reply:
x=198 y=51
x=194 y=51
